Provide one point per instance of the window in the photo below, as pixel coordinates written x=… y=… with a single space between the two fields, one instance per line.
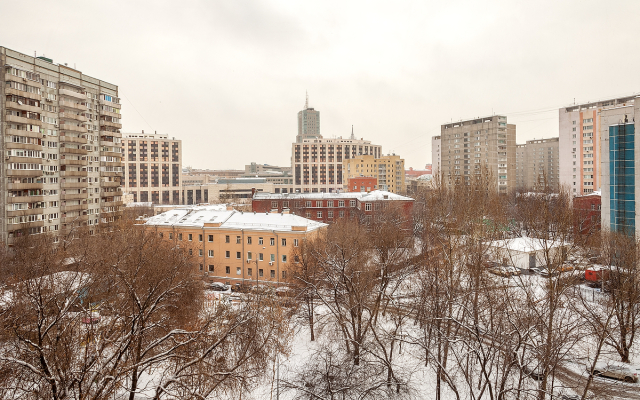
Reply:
x=210 y=267
x=200 y=267
x=200 y=238
x=352 y=203
x=227 y=254
x=170 y=235
x=226 y=239
x=238 y=240
x=249 y=256
x=341 y=214
x=211 y=238
x=238 y=255
x=248 y=239
x=200 y=253
x=273 y=258
x=274 y=204
x=367 y=206
x=330 y=203
x=260 y=241
x=190 y=252
x=307 y=204
x=272 y=241
x=179 y=236
x=273 y=273
x=307 y=214
x=284 y=241
x=260 y=257
x=190 y=237
x=284 y=274
x=330 y=214
x=318 y=203
x=295 y=242
x=260 y=273
x=210 y=253
x=319 y=214
x=238 y=271
x=249 y=271
x=227 y=269
x=341 y=203
x=284 y=258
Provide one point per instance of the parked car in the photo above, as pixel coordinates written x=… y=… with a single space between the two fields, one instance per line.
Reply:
x=219 y=287
x=619 y=371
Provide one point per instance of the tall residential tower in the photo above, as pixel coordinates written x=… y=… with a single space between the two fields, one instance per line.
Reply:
x=61 y=141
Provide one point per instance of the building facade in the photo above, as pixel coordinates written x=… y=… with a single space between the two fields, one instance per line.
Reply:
x=581 y=130
x=153 y=168
x=387 y=170
x=587 y=209
x=361 y=184
x=329 y=207
x=479 y=146
x=538 y=165
x=62 y=146
x=308 y=123
x=226 y=189
x=317 y=163
x=235 y=247
x=436 y=163
x=619 y=181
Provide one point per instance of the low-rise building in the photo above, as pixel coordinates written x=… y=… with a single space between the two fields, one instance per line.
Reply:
x=224 y=190
x=329 y=207
x=362 y=184
x=235 y=247
x=587 y=210
x=526 y=252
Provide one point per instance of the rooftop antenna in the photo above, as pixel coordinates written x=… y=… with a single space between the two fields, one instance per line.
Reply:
x=306 y=103
x=352 y=135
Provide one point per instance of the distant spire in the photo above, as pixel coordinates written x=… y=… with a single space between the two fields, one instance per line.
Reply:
x=306 y=103
x=352 y=135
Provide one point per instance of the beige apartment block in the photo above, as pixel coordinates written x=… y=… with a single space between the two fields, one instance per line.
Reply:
x=153 y=167
x=580 y=137
x=538 y=165
x=479 y=146
x=62 y=164
x=388 y=170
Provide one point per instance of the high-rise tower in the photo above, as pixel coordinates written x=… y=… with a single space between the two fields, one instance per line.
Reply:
x=308 y=123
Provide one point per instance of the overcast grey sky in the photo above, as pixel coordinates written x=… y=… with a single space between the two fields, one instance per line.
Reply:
x=228 y=77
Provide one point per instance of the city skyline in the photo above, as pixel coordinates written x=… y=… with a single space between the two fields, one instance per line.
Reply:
x=396 y=74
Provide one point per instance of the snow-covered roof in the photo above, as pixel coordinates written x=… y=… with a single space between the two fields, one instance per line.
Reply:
x=525 y=244
x=140 y=204
x=362 y=196
x=197 y=216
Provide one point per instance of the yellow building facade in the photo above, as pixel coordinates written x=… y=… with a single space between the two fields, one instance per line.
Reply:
x=235 y=247
x=388 y=170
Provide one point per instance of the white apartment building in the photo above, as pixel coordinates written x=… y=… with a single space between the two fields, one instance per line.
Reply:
x=62 y=164
x=580 y=139
x=436 y=141
x=153 y=168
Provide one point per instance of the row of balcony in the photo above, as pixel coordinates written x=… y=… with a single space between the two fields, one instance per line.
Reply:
x=17 y=92
x=22 y=120
x=73 y=116
x=22 y=107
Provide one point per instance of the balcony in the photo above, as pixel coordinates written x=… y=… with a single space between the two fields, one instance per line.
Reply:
x=24 y=172
x=72 y=139
x=23 y=146
x=19 y=132
x=22 y=120
x=72 y=104
x=24 y=199
x=23 y=107
x=111 y=124
x=76 y=219
x=110 y=114
x=73 y=196
x=65 y=161
x=30 y=211
x=24 y=225
x=30 y=160
x=75 y=207
x=111 y=163
x=73 y=116
x=23 y=186
x=109 y=184
x=111 y=173
x=28 y=95
x=74 y=128
x=71 y=93
x=111 y=203
x=73 y=185
x=111 y=153
x=73 y=173
x=71 y=150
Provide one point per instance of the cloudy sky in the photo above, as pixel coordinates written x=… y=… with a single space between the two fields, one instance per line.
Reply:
x=228 y=77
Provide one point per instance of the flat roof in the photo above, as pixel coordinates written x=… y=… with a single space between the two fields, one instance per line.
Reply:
x=197 y=216
x=363 y=196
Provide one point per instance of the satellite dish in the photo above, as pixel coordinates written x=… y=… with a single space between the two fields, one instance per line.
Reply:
x=20 y=102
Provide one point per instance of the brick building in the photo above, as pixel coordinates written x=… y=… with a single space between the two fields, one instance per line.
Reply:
x=362 y=184
x=587 y=210
x=328 y=207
